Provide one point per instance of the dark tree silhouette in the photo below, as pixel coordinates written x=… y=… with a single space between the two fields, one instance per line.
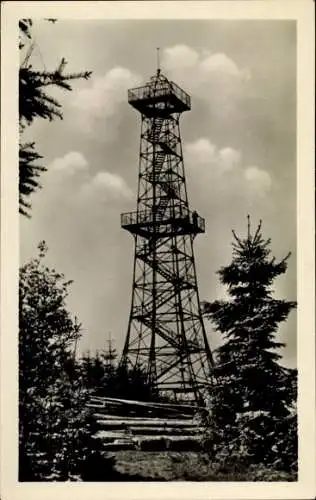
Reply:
x=254 y=396
x=57 y=439
x=103 y=377
x=35 y=102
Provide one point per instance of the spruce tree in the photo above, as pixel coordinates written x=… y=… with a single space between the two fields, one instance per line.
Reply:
x=253 y=415
x=35 y=102
x=94 y=370
x=103 y=377
x=56 y=430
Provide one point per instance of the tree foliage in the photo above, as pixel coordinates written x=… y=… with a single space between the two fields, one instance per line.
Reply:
x=254 y=398
x=36 y=101
x=103 y=377
x=56 y=431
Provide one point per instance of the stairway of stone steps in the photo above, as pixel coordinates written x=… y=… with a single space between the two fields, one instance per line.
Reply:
x=124 y=424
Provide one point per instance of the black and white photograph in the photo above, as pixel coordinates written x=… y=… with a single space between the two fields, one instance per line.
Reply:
x=158 y=248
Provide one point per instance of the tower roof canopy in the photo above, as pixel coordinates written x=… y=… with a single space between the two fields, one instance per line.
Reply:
x=159 y=96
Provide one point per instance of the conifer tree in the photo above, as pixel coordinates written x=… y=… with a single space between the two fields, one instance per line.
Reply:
x=254 y=396
x=103 y=377
x=35 y=102
x=56 y=430
x=94 y=370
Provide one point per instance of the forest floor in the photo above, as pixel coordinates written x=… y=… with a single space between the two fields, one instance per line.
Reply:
x=185 y=466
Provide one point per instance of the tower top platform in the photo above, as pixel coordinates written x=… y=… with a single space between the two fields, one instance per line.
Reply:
x=159 y=97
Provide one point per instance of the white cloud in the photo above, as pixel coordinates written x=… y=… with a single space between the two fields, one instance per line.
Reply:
x=69 y=179
x=100 y=101
x=228 y=158
x=221 y=64
x=179 y=57
x=204 y=152
x=214 y=77
x=220 y=169
x=69 y=164
x=200 y=67
x=258 y=180
x=64 y=177
x=106 y=186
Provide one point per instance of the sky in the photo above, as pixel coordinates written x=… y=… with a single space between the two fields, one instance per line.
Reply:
x=239 y=145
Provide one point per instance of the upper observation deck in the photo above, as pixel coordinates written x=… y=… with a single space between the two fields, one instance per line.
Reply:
x=159 y=97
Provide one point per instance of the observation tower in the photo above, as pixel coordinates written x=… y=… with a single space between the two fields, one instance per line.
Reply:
x=166 y=336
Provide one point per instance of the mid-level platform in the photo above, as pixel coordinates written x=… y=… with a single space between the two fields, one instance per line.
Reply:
x=144 y=223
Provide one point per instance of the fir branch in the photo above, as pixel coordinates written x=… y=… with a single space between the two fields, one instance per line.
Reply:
x=257 y=235
x=35 y=102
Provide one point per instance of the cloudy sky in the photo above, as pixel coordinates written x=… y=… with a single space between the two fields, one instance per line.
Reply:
x=239 y=145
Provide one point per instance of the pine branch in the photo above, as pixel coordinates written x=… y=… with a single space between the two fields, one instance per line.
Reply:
x=257 y=235
x=28 y=172
x=288 y=255
x=248 y=228
x=25 y=26
x=35 y=102
x=240 y=243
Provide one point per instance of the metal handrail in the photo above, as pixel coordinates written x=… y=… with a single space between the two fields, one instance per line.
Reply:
x=147 y=217
x=148 y=91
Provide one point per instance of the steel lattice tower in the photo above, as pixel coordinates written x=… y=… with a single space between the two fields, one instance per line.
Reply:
x=166 y=335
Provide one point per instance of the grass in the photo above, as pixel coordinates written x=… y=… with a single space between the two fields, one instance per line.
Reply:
x=186 y=466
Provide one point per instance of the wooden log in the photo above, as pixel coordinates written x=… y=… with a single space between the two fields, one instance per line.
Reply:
x=163 y=430
x=128 y=423
x=190 y=408
x=153 y=432
x=140 y=438
x=166 y=436
x=103 y=415
x=110 y=434
x=141 y=412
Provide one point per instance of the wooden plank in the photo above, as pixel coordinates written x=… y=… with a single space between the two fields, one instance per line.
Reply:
x=147 y=431
x=128 y=423
x=125 y=413
x=169 y=406
x=184 y=437
x=139 y=411
x=164 y=431
x=105 y=416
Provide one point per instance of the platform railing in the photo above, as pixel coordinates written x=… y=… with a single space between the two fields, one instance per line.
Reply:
x=181 y=94
x=148 y=91
x=145 y=217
